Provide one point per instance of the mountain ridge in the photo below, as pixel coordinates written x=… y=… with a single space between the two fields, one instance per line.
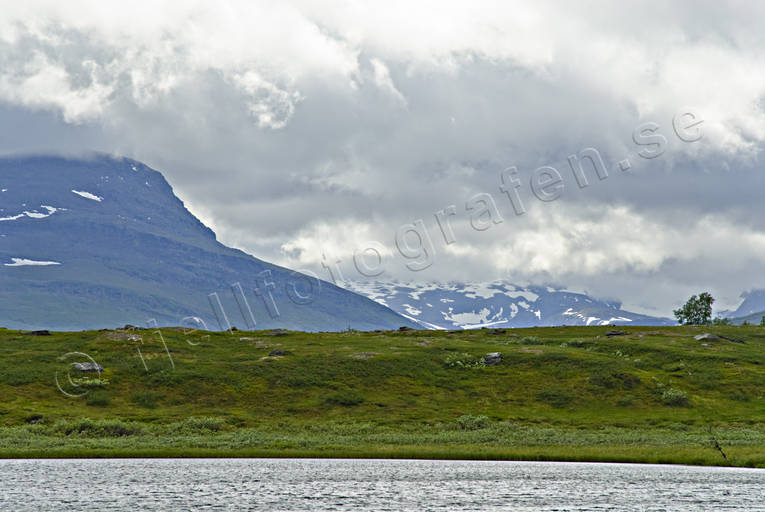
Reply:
x=103 y=241
x=498 y=303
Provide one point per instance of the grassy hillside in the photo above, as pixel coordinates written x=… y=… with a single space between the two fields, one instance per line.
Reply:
x=564 y=393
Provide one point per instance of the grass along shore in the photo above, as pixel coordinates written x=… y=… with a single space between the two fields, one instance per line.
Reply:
x=653 y=395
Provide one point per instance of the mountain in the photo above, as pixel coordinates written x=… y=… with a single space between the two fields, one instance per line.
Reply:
x=104 y=241
x=752 y=319
x=754 y=303
x=496 y=304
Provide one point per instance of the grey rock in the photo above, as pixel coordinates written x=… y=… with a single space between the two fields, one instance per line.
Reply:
x=493 y=358
x=88 y=367
x=706 y=336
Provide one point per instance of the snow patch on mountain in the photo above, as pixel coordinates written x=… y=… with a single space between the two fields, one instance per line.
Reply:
x=22 y=262
x=34 y=214
x=88 y=195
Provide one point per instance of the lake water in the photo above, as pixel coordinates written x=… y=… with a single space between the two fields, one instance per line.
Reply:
x=361 y=485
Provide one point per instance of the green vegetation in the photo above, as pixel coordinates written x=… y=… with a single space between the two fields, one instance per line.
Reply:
x=696 y=311
x=560 y=393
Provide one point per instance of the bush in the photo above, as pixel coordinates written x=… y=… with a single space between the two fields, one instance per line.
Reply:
x=470 y=422
x=675 y=398
x=464 y=360
x=16 y=376
x=146 y=399
x=532 y=340
x=555 y=398
x=98 y=398
x=614 y=380
x=197 y=425
x=97 y=428
x=739 y=396
x=344 y=398
x=88 y=383
x=34 y=419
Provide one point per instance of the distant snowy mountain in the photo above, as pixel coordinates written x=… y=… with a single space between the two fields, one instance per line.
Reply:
x=754 y=302
x=496 y=304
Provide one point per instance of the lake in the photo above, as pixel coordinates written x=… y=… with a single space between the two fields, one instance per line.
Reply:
x=365 y=485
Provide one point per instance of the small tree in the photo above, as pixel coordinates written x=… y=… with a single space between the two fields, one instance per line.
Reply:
x=762 y=322
x=697 y=311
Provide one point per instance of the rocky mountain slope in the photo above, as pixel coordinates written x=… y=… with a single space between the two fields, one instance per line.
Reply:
x=100 y=242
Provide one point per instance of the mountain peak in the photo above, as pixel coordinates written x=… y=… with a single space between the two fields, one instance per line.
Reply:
x=103 y=241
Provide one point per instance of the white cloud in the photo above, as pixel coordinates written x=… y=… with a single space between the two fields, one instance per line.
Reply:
x=299 y=128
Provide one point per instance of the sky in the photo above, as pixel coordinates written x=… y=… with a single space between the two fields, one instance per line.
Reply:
x=312 y=133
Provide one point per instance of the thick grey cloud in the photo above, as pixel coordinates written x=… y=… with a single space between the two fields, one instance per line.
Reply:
x=300 y=130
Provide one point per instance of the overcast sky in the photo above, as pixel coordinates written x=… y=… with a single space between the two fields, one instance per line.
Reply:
x=302 y=129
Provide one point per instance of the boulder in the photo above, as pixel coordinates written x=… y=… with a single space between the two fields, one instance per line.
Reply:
x=615 y=333
x=277 y=332
x=278 y=353
x=88 y=367
x=706 y=336
x=493 y=358
x=405 y=328
x=498 y=331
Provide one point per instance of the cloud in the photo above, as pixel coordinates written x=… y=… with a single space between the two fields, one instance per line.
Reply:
x=298 y=128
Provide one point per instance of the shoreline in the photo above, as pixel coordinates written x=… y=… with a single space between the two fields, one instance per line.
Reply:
x=552 y=455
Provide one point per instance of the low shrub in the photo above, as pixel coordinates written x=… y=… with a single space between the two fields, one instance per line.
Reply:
x=34 y=419
x=16 y=376
x=88 y=383
x=146 y=399
x=555 y=397
x=470 y=422
x=87 y=427
x=737 y=395
x=613 y=380
x=344 y=398
x=464 y=360
x=675 y=397
x=532 y=340
x=98 y=399
x=194 y=425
